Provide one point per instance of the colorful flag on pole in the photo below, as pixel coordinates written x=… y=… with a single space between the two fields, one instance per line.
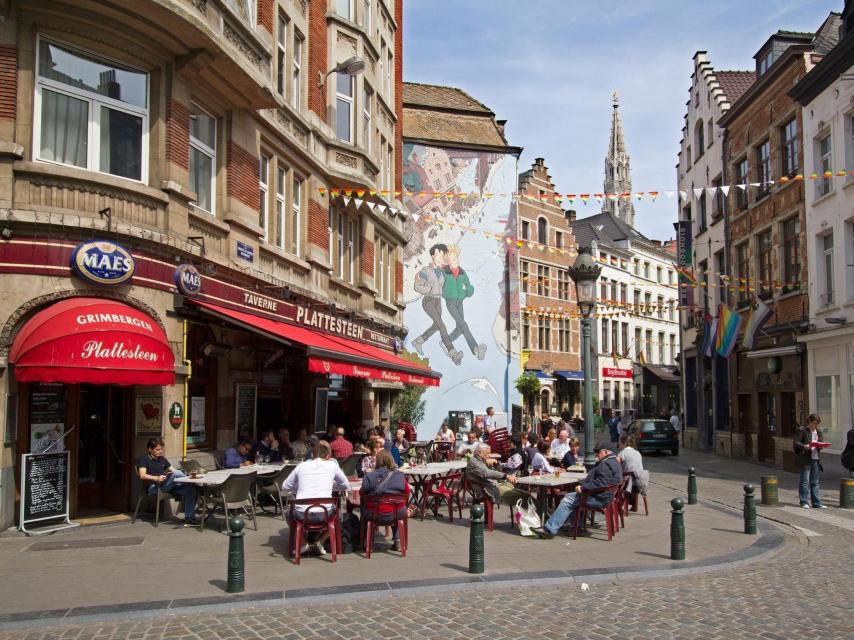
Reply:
x=729 y=322
x=709 y=337
x=758 y=317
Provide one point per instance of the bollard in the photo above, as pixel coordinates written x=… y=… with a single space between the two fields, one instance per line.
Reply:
x=677 y=530
x=235 y=555
x=846 y=493
x=769 y=491
x=476 y=539
x=692 y=486
x=749 y=509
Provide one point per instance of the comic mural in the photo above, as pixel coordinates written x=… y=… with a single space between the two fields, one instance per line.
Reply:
x=460 y=279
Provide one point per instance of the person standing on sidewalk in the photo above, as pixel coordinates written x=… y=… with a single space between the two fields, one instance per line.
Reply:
x=807 y=459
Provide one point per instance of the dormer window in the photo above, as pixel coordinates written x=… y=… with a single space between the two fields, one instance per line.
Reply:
x=764 y=62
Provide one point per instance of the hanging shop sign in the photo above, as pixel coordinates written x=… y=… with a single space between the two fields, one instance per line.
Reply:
x=176 y=415
x=188 y=280
x=102 y=262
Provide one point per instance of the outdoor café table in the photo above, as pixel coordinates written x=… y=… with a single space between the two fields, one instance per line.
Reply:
x=544 y=482
x=211 y=481
x=420 y=475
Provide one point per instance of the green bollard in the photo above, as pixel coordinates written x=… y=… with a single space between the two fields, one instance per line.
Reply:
x=692 y=486
x=677 y=530
x=846 y=493
x=749 y=510
x=235 y=555
x=476 y=539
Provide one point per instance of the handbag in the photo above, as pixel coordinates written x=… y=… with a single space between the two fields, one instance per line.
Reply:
x=525 y=518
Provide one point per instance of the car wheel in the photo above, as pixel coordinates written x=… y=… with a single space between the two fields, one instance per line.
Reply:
x=675 y=452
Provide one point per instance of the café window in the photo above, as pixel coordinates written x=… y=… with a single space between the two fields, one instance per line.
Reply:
x=343 y=238
x=90 y=113
x=203 y=158
x=384 y=270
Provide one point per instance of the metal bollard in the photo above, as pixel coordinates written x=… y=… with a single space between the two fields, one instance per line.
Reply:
x=476 y=539
x=235 y=555
x=769 y=491
x=749 y=509
x=846 y=493
x=692 y=486
x=677 y=530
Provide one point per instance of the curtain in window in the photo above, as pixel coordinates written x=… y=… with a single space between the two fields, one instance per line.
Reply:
x=64 y=128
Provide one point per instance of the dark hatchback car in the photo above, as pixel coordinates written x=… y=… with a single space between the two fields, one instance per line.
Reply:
x=654 y=435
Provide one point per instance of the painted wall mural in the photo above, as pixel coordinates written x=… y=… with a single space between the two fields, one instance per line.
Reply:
x=460 y=283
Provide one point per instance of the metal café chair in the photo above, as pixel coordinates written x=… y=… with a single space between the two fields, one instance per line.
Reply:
x=351 y=463
x=191 y=466
x=236 y=493
x=158 y=497
x=273 y=488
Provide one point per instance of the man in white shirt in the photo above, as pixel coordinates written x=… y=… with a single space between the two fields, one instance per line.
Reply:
x=469 y=445
x=676 y=423
x=316 y=478
x=560 y=445
x=445 y=433
x=489 y=423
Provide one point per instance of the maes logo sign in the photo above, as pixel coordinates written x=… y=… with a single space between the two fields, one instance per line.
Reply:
x=102 y=262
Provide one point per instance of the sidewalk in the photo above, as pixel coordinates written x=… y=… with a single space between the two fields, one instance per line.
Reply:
x=104 y=567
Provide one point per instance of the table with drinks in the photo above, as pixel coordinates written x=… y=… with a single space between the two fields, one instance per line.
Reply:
x=545 y=481
x=420 y=473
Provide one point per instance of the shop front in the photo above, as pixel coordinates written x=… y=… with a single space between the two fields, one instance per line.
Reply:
x=616 y=390
x=661 y=389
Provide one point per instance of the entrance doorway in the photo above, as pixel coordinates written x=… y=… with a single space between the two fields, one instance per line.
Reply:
x=767 y=426
x=103 y=448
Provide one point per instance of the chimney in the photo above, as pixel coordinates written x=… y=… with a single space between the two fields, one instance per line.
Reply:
x=570 y=215
x=500 y=124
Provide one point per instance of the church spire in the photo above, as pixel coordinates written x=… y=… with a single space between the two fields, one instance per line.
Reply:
x=618 y=176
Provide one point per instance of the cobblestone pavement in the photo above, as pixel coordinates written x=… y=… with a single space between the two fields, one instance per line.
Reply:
x=802 y=592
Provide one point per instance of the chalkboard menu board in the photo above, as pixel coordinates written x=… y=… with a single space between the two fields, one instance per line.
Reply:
x=516 y=419
x=245 y=404
x=44 y=487
x=321 y=405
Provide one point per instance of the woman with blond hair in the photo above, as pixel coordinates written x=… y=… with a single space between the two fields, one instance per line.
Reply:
x=385 y=478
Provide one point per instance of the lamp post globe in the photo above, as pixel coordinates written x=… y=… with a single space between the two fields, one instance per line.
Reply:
x=584 y=273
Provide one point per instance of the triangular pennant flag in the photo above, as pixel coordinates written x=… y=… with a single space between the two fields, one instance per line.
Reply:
x=669 y=194
x=653 y=195
x=755 y=184
x=725 y=191
x=639 y=195
x=743 y=187
x=358 y=202
x=698 y=193
x=683 y=195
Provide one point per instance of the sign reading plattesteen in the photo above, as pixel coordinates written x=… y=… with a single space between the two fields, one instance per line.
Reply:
x=44 y=488
x=245 y=405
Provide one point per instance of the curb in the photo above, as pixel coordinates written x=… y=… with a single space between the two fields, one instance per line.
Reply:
x=770 y=541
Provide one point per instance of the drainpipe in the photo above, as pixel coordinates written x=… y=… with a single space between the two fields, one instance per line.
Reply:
x=728 y=270
x=189 y=367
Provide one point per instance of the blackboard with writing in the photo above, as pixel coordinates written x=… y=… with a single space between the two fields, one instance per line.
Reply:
x=44 y=487
x=516 y=419
x=245 y=406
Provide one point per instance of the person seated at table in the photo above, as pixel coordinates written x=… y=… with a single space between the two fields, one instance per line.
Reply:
x=400 y=442
x=388 y=445
x=369 y=462
x=267 y=448
x=385 y=478
x=517 y=460
x=445 y=433
x=285 y=451
x=341 y=447
x=539 y=462
x=607 y=472
x=316 y=478
x=468 y=445
x=155 y=471
x=531 y=447
x=560 y=446
x=484 y=480
x=300 y=445
x=632 y=462
x=573 y=456
x=550 y=436
x=238 y=455
x=310 y=444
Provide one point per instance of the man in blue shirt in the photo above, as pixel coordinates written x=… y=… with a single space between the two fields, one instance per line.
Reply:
x=238 y=455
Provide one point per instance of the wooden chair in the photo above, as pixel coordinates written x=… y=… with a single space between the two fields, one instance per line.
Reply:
x=329 y=523
x=447 y=488
x=236 y=493
x=621 y=504
x=631 y=500
x=609 y=512
x=385 y=509
x=273 y=488
x=158 y=497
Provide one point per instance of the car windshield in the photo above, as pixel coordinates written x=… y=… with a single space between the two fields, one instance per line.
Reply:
x=650 y=426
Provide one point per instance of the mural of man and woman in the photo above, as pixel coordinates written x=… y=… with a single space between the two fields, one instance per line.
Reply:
x=444 y=278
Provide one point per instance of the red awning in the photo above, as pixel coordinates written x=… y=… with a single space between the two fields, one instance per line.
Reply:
x=331 y=354
x=93 y=340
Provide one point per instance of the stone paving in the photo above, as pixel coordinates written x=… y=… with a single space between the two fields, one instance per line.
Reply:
x=802 y=592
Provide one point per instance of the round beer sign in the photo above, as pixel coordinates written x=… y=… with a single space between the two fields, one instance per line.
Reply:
x=102 y=262
x=176 y=415
x=188 y=280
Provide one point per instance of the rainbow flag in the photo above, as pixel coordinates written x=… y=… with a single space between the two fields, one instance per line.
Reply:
x=729 y=323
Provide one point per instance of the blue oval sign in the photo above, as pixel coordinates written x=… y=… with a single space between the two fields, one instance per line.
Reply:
x=188 y=280
x=102 y=262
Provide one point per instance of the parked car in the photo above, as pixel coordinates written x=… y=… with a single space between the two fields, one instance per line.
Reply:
x=651 y=434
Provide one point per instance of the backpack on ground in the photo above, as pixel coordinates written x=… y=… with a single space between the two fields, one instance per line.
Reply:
x=350 y=533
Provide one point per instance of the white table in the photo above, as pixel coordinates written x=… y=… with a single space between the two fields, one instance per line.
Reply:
x=422 y=474
x=546 y=481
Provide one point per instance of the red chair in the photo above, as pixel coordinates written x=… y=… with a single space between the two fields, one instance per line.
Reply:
x=383 y=509
x=409 y=431
x=499 y=442
x=442 y=451
x=329 y=523
x=447 y=488
x=609 y=512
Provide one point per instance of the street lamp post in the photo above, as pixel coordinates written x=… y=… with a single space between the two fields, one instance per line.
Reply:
x=585 y=272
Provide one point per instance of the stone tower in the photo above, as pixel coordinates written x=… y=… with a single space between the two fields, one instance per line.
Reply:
x=618 y=174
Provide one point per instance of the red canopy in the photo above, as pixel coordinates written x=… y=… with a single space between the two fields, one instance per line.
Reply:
x=93 y=340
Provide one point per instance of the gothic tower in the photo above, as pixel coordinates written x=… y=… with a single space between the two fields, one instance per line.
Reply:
x=618 y=175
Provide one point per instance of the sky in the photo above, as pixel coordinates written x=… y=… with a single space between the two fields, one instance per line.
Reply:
x=549 y=67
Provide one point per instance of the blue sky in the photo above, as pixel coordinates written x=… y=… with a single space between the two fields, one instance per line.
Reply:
x=549 y=67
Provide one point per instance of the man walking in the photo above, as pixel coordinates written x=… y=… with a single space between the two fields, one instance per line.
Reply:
x=429 y=282
x=456 y=288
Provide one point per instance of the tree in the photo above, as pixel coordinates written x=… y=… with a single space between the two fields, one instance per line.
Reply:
x=529 y=386
x=408 y=405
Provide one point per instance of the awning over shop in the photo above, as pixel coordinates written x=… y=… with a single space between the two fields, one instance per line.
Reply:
x=541 y=375
x=93 y=340
x=663 y=373
x=331 y=354
x=570 y=375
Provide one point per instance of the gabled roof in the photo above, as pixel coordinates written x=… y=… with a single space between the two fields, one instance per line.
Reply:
x=735 y=83
x=440 y=97
x=603 y=227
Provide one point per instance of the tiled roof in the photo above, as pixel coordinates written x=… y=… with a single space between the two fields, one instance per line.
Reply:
x=735 y=83
x=439 y=97
x=427 y=124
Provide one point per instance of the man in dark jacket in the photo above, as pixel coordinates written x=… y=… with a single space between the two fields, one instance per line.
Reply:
x=807 y=459
x=606 y=473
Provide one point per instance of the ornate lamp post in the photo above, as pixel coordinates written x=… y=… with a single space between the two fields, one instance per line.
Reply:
x=585 y=272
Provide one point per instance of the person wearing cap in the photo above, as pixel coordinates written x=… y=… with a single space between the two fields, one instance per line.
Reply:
x=607 y=472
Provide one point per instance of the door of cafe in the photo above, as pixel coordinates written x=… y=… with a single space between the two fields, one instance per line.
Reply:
x=767 y=426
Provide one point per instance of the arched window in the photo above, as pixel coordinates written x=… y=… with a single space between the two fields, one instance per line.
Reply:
x=699 y=138
x=542 y=231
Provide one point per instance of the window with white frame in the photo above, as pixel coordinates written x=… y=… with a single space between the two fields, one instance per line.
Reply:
x=564 y=335
x=281 y=52
x=296 y=71
x=763 y=167
x=344 y=8
x=849 y=261
x=382 y=163
x=384 y=270
x=544 y=334
x=247 y=11
x=90 y=113
x=367 y=110
x=524 y=271
x=281 y=204
x=826 y=269
x=389 y=168
x=789 y=148
x=389 y=73
x=824 y=163
x=381 y=74
x=366 y=16
x=543 y=280
x=603 y=346
x=294 y=243
x=264 y=194
x=342 y=242
x=203 y=158
x=660 y=347
x=344 y=107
